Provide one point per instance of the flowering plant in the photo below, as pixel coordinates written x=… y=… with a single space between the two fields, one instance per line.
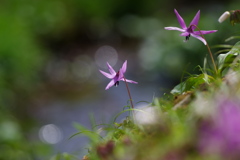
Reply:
x=116 y=76
x=189 y=31
x=198 y=119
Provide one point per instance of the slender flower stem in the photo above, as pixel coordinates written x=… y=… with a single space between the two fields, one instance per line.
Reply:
x=214 y=65
x=209 y=50
x=129 y=94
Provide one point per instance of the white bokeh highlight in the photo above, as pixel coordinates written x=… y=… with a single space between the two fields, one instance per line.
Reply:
x=106 y=54
x=50 y=133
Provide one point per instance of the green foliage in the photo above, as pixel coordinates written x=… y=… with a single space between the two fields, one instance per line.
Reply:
x=225 y=60
x=92 y=135
x=192 y=83
x=174 y=130
x=177 y=131
x=13 y=144
x=21 y=60
x=63 y=156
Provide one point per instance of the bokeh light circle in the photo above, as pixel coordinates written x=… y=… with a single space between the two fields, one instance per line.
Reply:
x=106 y=54
x=50 y=133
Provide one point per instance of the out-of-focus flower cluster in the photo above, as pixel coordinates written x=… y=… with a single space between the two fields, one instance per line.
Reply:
x=220 y=135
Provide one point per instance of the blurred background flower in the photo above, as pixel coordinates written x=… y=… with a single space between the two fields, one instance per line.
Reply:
x=220 y=135
x=50 y=53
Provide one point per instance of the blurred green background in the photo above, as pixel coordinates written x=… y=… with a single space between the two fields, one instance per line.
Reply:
x=52 y=49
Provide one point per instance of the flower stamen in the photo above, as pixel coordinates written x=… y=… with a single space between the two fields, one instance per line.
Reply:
x=116 y=84
x=187 y=37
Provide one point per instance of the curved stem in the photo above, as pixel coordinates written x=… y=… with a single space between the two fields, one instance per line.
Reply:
x=214 y=65
x=129 y=94
x=209 y=50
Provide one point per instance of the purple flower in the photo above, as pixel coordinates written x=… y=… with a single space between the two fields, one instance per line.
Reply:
x=189 y=31
x=222 y=134
x=116 y=76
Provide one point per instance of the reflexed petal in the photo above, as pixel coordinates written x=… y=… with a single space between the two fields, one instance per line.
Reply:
x=195 y=20
x=107 y=74
x=130 y=81
x=120 y=76
x=174 y=28
x=200 y=38
x=180 y=19
x=124 y=67
x=111 y=70
x=184 y=34
x=204 y=32
x=110 y=84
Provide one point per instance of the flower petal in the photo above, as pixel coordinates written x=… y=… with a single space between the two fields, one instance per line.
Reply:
x=111 y=70
x=200 y=38
x=120 y=75
x=107 y=74
x=180 y=19
x=184 y=34
x=174 y=28
x=195 y=20
x=204 y=32
x=110 y=84
x=130 y=81
x=124 y=67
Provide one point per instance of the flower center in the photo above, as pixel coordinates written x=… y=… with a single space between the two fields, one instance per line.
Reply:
x=189 y=29
x=116 y=84
x=117 y=77
x=187 y=37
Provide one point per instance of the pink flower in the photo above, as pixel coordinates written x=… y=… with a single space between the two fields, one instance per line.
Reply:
x=189 y=31
x=116 y=76
x=221 y=136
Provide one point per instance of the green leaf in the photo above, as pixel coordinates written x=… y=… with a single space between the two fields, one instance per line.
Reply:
x=93 y=136
x=232 y=37
x=63 y=156
x=225 y=60
x=126 y=110
x=191 y=83
x=179 y=89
